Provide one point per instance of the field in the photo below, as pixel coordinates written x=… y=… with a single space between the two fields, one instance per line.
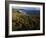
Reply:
x=22 y=22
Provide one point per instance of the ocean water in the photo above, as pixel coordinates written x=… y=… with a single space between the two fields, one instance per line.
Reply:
x=31 y=12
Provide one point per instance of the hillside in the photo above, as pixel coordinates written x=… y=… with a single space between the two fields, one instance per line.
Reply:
x=23 y=22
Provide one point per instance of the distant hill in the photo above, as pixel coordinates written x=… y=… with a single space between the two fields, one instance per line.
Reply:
x=27 y=12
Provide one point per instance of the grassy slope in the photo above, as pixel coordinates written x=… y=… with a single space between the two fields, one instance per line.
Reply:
x=23 y=22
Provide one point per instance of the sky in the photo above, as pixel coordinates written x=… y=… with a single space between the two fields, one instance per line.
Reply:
x=26 y=8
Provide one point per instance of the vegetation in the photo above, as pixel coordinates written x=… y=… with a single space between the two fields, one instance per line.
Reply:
x=23 y=22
